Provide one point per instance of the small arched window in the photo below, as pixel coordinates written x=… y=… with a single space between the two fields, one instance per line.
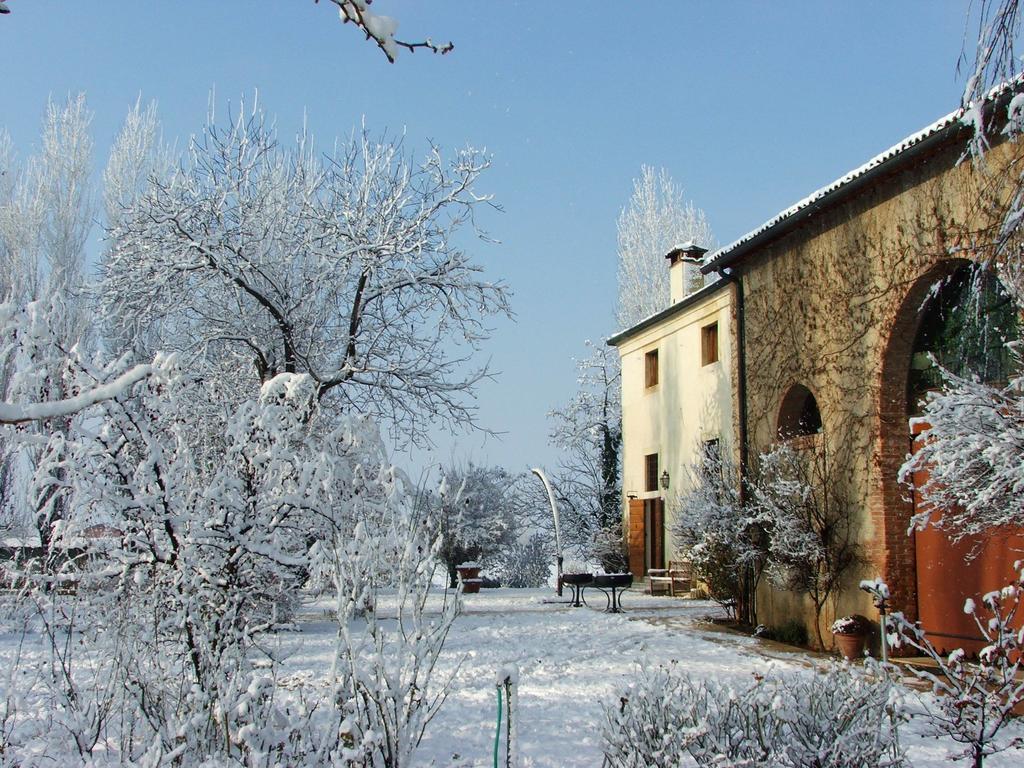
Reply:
x=799 y=414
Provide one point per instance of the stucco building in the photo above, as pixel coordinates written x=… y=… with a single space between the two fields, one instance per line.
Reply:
x=677 y=378
x=826 y=316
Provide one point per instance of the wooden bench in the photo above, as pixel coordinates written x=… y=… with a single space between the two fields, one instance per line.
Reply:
x=678 y=577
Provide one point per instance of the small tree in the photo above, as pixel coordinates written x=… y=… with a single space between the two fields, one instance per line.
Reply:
x=478 y=516
x=720 y=534
x=588 y=431
x=808 y=522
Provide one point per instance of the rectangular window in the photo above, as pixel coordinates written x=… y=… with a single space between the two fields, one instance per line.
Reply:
x=709 y=344
x=651 y=369
x=651 y=472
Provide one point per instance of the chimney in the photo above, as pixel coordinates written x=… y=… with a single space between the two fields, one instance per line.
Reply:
x=684 y=270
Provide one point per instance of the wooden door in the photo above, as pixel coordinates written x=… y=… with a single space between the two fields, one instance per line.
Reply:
x=635 y=537
x=654 y=534
x=949 y=573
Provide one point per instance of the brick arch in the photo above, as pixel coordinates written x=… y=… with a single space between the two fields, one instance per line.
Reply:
x=890 y=508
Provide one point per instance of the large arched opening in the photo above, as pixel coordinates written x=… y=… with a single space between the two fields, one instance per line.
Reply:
x=955 y=317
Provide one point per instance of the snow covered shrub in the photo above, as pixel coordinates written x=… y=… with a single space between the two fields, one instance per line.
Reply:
x=975 y=700
x=835 y=718
x=720 y=535
x=477 y=517
x=808 y=520
x=388 y=640
x=215 y=520
x=527 y=564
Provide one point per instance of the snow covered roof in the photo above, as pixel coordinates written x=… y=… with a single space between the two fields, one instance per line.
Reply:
x=923 y=139
x=688 y=300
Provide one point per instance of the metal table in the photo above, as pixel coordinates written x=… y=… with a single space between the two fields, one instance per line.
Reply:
x=613 y=582
x=577 y=581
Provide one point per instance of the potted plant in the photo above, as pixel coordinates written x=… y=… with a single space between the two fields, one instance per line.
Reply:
x=469 y=575
x=851 y=634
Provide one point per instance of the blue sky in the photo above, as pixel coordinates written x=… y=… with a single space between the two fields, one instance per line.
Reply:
x=749 y=105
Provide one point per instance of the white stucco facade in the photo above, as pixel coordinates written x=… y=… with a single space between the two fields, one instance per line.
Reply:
x=690 y=404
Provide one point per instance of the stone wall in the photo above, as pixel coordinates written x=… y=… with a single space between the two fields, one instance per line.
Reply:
x=834 y=306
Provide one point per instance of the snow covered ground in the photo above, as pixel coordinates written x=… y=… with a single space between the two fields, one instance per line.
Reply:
x=570 y=661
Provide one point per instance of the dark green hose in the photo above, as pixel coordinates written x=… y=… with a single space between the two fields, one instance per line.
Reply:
x=497 y=730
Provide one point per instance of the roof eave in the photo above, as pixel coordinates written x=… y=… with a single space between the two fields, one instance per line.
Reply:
x=648 y=322
x=894 y=164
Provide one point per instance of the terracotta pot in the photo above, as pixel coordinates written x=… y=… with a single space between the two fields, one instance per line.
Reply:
x=851 y=646
x=470 y=577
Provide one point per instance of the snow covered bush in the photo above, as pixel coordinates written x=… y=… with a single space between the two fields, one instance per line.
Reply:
x=721 y=536
x=527 y=564
x=478 y=516
x=975 y=700
x=808 y=522
x=213 y=529
x=834 y=718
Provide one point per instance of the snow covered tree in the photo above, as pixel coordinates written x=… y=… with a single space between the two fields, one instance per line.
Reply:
x=722 y=536
x=588 y=432
x=46 y=214
x=807 y=520
x=657 y=219
x=253 y=259
x=479 y=515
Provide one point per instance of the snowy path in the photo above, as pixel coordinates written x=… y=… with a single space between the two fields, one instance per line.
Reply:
x=570 y=661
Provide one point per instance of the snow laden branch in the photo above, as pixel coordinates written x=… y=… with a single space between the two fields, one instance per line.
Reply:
x=37 y=365
x=378 y=28
x=970 y=454
x=995 y=61
x=19 y=413
x=343 y=267
x=382 y=29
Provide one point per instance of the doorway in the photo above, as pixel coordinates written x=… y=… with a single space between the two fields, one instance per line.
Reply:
x=646 y=537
